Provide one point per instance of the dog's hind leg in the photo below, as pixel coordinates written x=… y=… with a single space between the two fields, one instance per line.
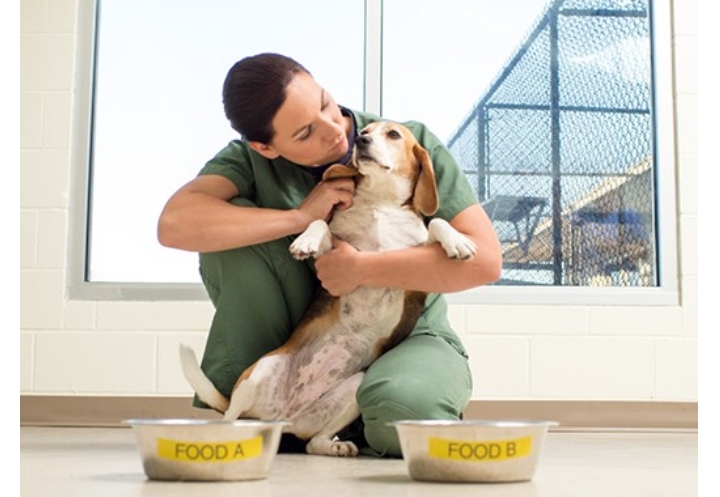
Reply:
x=241 y=400
x=333 y=412
x=259 y=393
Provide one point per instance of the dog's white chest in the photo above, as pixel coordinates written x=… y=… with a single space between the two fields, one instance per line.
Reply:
x=379 y=228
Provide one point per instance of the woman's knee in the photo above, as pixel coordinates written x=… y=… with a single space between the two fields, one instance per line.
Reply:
x=255 y=268
x=411 y=397
x=384 y=402
x=422 y=378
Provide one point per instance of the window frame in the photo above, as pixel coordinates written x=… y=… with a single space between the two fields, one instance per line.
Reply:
x=665 y=293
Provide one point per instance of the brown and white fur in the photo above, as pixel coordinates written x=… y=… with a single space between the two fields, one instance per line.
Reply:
x=312 y=380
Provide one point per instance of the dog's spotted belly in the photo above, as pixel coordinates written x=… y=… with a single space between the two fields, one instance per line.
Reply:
x=376 y=310
x=368 y=318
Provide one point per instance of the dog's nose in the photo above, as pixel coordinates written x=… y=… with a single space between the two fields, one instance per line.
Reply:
x=362 y=141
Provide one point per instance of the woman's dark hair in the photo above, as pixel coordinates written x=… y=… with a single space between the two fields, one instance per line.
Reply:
x=254 y=90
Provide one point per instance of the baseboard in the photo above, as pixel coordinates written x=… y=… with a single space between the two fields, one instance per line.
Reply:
x=593 y=414
x=110 y=411
x=58 y=410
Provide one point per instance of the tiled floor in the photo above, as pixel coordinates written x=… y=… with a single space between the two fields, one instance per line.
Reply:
x=104 y=462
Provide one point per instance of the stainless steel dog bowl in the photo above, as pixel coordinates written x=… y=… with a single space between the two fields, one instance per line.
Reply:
x=210 y=450
x=473 y=450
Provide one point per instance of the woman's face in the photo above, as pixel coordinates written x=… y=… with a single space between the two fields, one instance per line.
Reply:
x=309 y=128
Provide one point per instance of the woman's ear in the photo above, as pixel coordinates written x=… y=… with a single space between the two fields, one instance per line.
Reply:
x=265 y=150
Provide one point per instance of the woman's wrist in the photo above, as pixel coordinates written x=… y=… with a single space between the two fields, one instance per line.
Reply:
x=299 y=220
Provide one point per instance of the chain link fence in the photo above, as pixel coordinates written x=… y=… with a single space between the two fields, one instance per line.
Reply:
x=560 y=149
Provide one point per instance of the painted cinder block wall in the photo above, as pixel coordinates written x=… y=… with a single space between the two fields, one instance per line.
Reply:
x=522 y=352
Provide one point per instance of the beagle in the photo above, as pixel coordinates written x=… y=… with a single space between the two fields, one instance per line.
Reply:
x=312 y=379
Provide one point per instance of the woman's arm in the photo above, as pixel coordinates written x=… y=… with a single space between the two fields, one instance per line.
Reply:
x=426 y=268
x=200 y=218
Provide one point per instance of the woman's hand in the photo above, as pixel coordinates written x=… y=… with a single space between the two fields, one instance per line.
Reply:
x=337 y=270
x=326 y=197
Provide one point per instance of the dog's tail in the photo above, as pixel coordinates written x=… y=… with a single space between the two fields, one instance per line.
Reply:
x=202 y=385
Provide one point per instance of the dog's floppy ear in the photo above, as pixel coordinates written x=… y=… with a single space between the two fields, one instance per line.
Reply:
x=339 y=171
x=425 y=198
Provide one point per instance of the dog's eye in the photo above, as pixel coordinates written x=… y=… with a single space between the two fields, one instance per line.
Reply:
x=394 y=134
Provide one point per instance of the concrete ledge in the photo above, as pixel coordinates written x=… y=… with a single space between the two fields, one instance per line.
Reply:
x=110 y=411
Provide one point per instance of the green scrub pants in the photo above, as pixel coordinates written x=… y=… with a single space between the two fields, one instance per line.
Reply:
x=260 y=293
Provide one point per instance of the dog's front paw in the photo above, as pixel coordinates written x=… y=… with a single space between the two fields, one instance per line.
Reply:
x=303 y=248
x=460 y=247
x=455 y=244
x=313 y=242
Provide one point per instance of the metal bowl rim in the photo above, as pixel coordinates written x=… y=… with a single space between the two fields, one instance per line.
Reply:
x=479 y=423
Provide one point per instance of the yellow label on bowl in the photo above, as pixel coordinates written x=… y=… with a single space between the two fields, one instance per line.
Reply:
x=182 y=450
x=468 y=450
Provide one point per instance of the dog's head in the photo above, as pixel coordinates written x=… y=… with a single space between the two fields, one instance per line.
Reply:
x=387 y=153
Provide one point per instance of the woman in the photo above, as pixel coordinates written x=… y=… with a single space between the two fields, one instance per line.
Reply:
x=258 y=193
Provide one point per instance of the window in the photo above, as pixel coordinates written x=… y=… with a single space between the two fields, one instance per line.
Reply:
x=554 y=109
x=158 y=117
